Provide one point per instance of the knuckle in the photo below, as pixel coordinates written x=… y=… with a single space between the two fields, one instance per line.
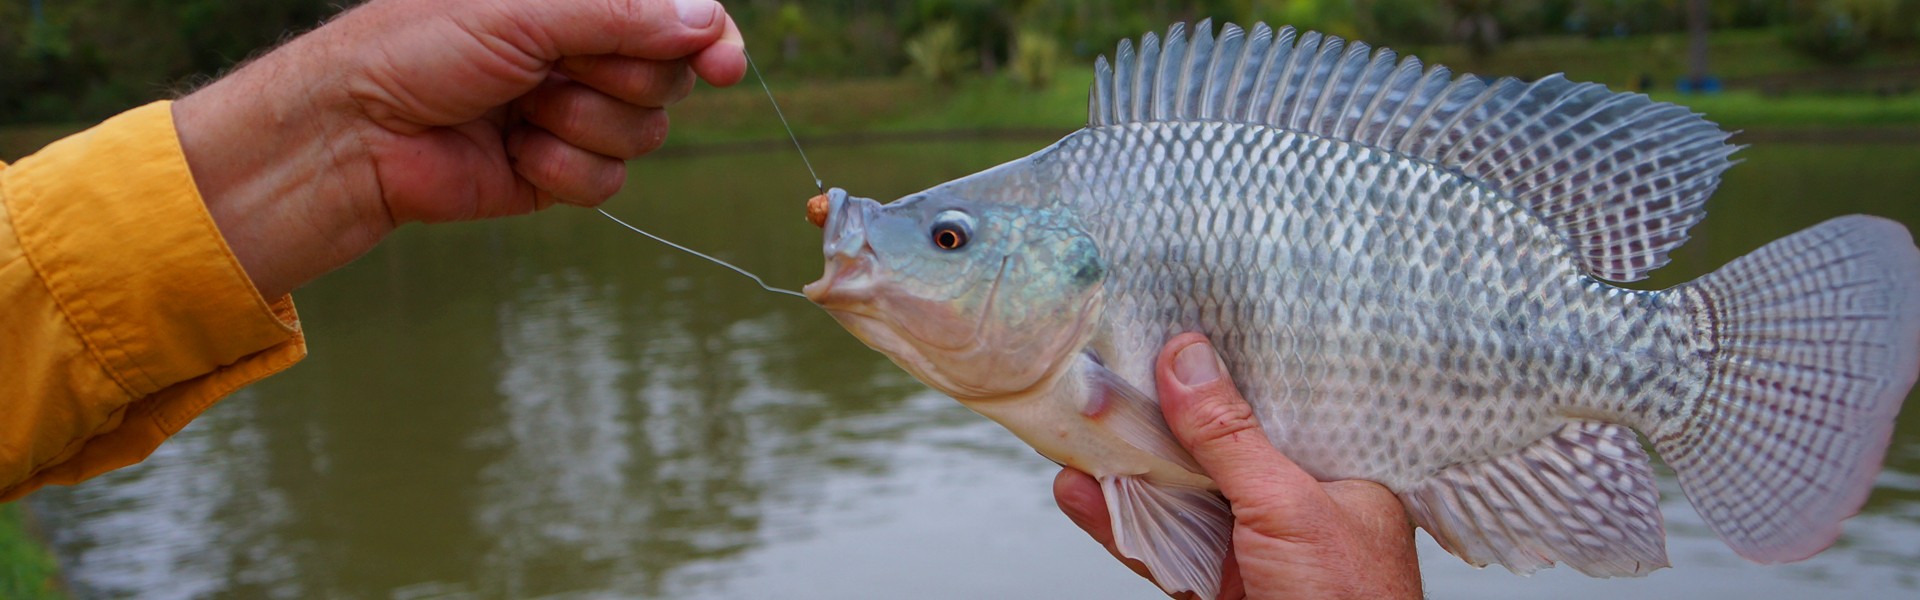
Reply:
x=1214 y=418
x=550 y=169
x=643 y=88
x=655 y=84
x=1287 y=517
x=681 y=77
x=608 y=183
x=652 y=132
x=575 y=108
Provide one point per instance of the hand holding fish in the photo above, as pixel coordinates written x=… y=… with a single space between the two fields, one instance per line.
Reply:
x=439 y=110
x=1293 y=536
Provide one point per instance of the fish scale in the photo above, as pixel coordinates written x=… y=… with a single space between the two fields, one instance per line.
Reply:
x=1336 y=201
x=1407 y=274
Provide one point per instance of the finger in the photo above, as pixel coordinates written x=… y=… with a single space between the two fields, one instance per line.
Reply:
x=652 y=29
x=567 y=172
x=593 y=121
x=1231 y=586
x=1208 y=416
x=636 y=81
x=1078 y=495
x=724 y=62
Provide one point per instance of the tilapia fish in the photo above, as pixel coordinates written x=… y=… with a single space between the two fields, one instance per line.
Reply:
x=1408 y=275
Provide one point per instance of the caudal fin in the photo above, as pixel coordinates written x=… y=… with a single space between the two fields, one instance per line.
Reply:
x=1815 y=341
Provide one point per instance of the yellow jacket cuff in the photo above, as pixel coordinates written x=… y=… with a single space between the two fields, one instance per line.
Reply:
x=126 y=314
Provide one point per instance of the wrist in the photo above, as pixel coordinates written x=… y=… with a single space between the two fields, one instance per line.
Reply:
x=280 y=169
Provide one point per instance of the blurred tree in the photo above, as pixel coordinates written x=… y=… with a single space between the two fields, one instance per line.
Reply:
x=937 y=54
x=90 y=58
x=792 y=22
x=1337 y=17
x=1842 y=31
x=1404 y=21
x=1036 y=57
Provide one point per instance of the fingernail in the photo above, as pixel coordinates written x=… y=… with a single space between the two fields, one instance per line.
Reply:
x=697 y=14
x=1196 y=365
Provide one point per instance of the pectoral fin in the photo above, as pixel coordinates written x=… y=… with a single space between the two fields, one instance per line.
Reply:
x=1181 y=533
x=1131 y=414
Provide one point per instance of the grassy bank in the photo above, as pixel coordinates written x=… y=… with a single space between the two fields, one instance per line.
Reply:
x=27 y=571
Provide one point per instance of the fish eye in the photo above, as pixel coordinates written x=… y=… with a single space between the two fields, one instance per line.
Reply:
x=951 y=230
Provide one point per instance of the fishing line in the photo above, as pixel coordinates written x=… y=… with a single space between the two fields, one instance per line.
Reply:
x=803 y=159
x=755 y=278
x=783 y=121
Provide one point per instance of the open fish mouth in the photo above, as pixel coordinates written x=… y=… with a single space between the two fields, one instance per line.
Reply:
x=848 y=280
x=850 y=260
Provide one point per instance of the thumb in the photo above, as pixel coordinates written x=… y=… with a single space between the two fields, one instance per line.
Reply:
x=1209 y=417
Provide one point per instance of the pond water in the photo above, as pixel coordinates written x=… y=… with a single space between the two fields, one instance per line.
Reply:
x=554 y=407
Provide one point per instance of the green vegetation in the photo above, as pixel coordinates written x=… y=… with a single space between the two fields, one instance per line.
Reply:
x=76 y=61
x=1748 y=110
x=27 y=571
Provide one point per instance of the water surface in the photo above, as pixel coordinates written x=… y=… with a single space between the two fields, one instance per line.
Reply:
x=554 y=407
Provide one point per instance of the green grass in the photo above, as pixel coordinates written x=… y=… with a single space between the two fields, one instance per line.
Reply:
x=1619 y=62
x=27 y=571
x=1748 y=110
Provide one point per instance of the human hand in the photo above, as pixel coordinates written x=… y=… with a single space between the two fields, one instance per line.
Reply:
x=439 y=110
x=1293 y=536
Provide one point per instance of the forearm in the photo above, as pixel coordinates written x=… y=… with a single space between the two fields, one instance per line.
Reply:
x=282 y=175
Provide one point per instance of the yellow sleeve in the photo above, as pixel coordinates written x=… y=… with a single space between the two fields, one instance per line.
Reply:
x=123 y=314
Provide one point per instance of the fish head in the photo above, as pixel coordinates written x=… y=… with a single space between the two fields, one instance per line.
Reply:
x=974 y=297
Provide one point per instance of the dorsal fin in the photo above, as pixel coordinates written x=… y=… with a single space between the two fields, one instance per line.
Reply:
x=1621 y=176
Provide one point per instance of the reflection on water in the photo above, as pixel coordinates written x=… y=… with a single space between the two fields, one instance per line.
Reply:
x=556 y=408
x=202 y=509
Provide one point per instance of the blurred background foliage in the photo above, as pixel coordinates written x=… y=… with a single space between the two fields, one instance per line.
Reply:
x=81 y=60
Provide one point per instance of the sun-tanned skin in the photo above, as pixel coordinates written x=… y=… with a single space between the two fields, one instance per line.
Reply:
x=439 y=110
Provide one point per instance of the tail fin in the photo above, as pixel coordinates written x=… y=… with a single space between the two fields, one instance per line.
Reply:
x=1815 y=341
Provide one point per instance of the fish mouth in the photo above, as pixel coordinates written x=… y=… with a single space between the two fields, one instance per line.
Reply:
x=850 y=259
x=848 y=280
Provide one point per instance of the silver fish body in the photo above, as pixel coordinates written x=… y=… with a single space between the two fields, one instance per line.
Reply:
x=1385 y=317
x=1407 y=274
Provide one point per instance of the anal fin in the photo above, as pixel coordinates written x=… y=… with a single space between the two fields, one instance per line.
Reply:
x=1584 y=496
x=1181 y=533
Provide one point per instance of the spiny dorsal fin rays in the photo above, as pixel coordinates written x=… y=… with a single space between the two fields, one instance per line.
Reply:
x=1621 y=177
x=1244 y=45
x=1220 y=80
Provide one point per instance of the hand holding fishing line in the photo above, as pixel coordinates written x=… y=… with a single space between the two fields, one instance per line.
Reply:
x=1293 y=536
x=437 y=110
